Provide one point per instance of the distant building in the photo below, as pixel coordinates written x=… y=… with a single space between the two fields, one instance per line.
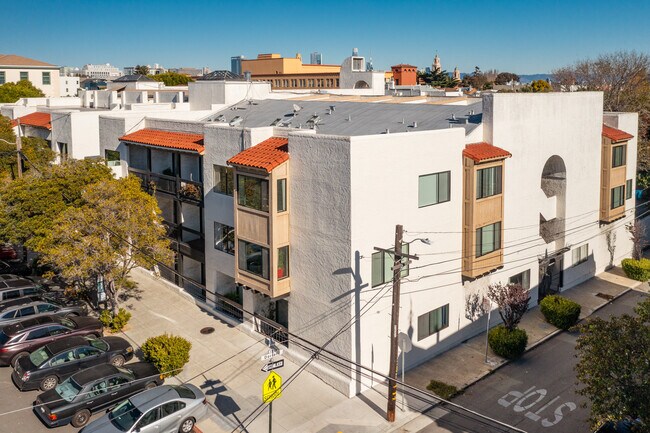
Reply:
x=69 y=85
x=192 y=72
x=235 y=64
x=290 y=72
x=404 y=75
x=43 y=76
x=104 y=71
x=316 y=58
x=153 y=70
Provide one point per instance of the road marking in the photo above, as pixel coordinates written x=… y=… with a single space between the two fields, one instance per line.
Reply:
x=518 y=399
x=162 y=317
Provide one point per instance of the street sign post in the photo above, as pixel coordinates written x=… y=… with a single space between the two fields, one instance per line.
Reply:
x=270 y=354
x=271 y=389
x=273 y=365
x=405 y=345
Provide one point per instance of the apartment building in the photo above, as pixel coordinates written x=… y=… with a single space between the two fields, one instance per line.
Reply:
x=103 y=71
x=295 y=195
x=290 y=72
x=42 y=75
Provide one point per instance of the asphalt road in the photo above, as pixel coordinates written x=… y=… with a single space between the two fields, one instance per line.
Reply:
x=535 y=393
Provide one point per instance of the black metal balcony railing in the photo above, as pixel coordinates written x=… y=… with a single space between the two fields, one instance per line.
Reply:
x=183 y=189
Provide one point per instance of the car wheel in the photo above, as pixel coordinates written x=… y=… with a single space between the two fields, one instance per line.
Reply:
x=186 y=426
x=118 y=361
x=80 y=418
x=14 y=360
x=150 y=385
x=48 y=383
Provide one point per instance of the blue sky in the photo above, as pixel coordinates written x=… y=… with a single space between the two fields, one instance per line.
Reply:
x=525 y=36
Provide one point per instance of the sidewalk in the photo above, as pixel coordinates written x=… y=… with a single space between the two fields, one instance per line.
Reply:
x=465 y=364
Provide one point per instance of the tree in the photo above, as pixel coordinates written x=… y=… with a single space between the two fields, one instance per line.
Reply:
x=438 y=79
x=512 y=301
x=7 y=158
x=504 y=78
x=117 y=228
x=613 y=368
x=637 y=236
x=141 y=69
x=537 y=86
x=172 y=78
x=12 y=92
x=38 y=152
x=31 y=204
x=476 y=79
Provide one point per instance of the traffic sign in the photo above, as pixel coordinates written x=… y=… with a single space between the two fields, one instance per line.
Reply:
x=270 y=354
x=273 y=365
x=271 y=388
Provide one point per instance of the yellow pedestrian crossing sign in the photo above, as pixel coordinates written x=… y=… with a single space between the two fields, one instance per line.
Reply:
x=271 y=389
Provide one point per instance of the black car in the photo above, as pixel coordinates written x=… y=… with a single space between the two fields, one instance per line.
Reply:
x=29 y=334
x=14 y=267
x=48 y=366
x=74 y=400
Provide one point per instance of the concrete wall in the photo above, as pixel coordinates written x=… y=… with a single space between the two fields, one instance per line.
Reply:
x=204 y=95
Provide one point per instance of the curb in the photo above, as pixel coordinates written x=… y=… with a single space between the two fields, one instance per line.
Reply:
x=196 y=429
x=540 y=341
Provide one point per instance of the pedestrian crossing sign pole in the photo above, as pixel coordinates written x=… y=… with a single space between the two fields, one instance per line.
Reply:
x=271 y=389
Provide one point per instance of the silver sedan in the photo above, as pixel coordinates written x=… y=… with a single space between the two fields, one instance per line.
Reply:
x=164 y=409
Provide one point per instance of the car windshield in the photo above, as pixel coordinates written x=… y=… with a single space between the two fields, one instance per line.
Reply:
x=3 y=338
x=68 y=389
x=39 y=356
x=183 y=392
x=98 y=344
x=124 y=415
x=68 y=323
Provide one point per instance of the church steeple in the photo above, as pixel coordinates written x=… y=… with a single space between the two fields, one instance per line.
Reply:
x=437 y=67
x=456 y=74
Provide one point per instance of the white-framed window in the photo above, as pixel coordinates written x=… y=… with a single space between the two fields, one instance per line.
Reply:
x=46 y=78
x=382 y=266
x=434 y=188
x=3 y=77
x=580 y=254
x=433 y=321
x=24 y=75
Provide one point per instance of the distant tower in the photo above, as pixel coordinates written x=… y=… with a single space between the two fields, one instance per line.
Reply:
x=436 y=64
x=316 y=58
x=456 y=74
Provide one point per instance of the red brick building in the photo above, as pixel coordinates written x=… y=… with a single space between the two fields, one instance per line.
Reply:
x=404 y=75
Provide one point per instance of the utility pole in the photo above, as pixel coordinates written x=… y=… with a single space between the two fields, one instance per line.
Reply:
x=394 y=323
x=19 y=149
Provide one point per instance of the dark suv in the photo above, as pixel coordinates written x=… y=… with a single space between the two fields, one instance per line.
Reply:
x=28 y=335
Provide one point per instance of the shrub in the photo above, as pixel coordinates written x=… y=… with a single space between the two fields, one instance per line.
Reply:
x=169 y=353
x=115 y=322
x=506 y=343
x=559 y=311
x=637 y=269
x=442 y=389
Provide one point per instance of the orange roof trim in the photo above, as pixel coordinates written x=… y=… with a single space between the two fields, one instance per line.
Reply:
x=37 y=120
x=483 y=151
x=172 y=140
x=616 y=134
x=267 y=155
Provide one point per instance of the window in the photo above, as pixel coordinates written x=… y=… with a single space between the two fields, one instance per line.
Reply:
x=433 y=188
x=38 y=333
x=223 y=182
x=46 y=78
x=282 y=195
x=85 y=352
x=253 y=192
x=112 y=157
x=57 y=330
x=24 y=75
x=488 y=239
x=283 y=262
x=488 y=182
x=171 y=407
x=433 y=321
x=99 y=388
x=62 y=358
x=580 y=254
x=117 y=382
x=618 y=194
x=9 y=315
x=47 y=308
x=254 y=258
x=24 y=312
x=2 y=77
x=628 y=189
x=224 y=238
x=618 y=155
x=522 y=278
x=382 y=264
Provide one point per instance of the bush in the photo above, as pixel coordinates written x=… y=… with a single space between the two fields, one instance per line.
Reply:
x=169 y=353
x=559 y=311
x=507 y=344
x=115 y=322
x=442 y=389
x=637 y=269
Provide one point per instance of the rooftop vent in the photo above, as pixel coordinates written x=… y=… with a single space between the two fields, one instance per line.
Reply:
x=296 y=108
x=453 y=116
x=333 y=107
x=276 y=122
x=314 y=120
x=220 y=118
x=349 y=118
x=414 y=125
x=236 y=121
x=387 y=131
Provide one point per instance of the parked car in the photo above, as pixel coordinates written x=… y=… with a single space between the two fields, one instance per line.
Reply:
x=75 y=399
x=46 y=367
x=14 y=267
x=36 y=306
x=29 y=334
x=12 y=289
x=4 y=277
x=168 y=408
x=7 y=252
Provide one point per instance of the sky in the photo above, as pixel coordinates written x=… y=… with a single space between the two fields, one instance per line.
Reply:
x=524 y=37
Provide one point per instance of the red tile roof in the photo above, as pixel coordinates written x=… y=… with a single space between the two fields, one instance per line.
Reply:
x=616 y=134
x=174 y=140
x=267 y=155
x=483 y=151
x=37 y=120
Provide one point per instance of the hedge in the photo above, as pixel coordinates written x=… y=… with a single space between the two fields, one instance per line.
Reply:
x=442 y=389
x=115 y=322
x=169 y=353
x=637 y=269
x=560 y=311
x=507 y=344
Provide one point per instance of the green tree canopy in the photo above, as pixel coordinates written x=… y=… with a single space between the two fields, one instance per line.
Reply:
x=172 y=78
x=141 y=69
x=117 y=228
x=30 y=205
x=438 y=79
x=506 y=77
x=38 y=153
x=614 y=368
x=12 y=92
x=7 y=158
x=537 y=86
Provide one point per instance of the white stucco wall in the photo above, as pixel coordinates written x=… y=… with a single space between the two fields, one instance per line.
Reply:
x=35 y=75
x=204 y=95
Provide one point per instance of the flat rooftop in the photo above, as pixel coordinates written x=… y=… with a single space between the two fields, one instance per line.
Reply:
x=351 y=118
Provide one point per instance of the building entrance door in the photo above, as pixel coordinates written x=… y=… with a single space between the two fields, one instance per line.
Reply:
x=551 y=276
